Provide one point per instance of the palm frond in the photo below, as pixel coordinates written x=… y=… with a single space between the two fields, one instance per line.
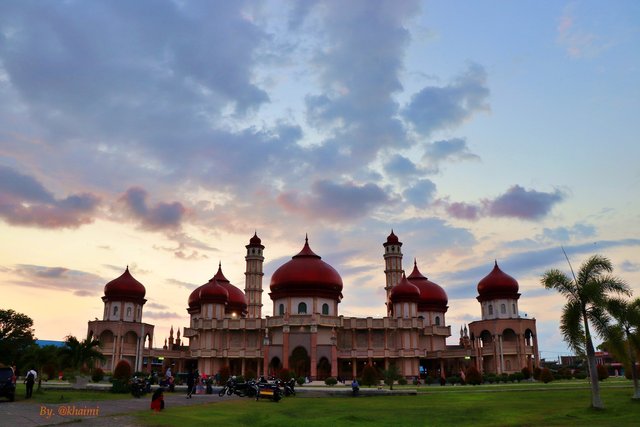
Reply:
x=594 y=267
x=556 y=279
x=600 y=320
x=571 y=326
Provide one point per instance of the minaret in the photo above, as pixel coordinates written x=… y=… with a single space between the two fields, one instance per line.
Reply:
x=253 y=277
x=393 y=265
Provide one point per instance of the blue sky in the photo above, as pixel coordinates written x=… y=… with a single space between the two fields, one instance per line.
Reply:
x=162 y=134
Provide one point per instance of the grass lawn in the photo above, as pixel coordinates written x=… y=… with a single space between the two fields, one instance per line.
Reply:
x=66 y=396
x=442 y=406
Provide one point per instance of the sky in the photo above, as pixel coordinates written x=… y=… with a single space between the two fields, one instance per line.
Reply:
x=161 y=135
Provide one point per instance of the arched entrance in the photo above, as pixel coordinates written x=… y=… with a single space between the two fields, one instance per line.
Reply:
x=299 y=362
x=324 y=368
x=274 y=367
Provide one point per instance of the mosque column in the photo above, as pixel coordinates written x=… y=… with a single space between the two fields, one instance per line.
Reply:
x=314 y=352
x=285 y=346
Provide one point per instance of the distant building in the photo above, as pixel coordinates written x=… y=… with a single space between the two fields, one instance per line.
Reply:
x=307 y=335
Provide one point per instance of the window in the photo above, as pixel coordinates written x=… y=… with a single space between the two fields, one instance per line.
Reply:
x=503 y=308
x=437 y=320
x=514 y=308
x=128 y=312
x=302 y=308
x=115 y=310
x=325 y=309
x=490 y=310
x=281 y=310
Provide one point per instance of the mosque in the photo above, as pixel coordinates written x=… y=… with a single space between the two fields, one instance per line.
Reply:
x=307 y=334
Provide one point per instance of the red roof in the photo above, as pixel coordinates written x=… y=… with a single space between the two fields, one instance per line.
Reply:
x=255 y=240
x=405 y=291
x=213 y=292
x=306 y=275
x=432 y=296
x=125 y=288
x=497 y=284
x=392 y=239
x=237 y=300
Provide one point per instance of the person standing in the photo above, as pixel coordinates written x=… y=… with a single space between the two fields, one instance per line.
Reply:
x=29 y=380
x=190 y=383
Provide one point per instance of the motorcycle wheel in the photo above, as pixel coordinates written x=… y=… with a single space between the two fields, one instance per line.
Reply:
x=222 y=392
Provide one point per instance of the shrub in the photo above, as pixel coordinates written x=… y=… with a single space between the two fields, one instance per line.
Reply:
x=300 y=380
x=603 y=373
x=473 y=376
x=120 y=386
x=402 y=381
x=579 y=375
x=526 y=373
x=546 y=375
x=454 y=379
x=627 y=372
x=512 y=378
x=416 y=381
x=122 y=371
x=504 y=377
x=443 y=381
x=330 y=381
x=284 y=374
x=69 y=374
x=536 y=373
x=490 y=378
x=518 y=376
x=98 y=375
x=370 y=376
x=224 y=373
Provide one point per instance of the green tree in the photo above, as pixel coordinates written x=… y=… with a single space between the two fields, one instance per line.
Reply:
x=586 y=297
x=80 y=354
x=44 y=359
x=390 y=375
x=624 y=338
x=369 y=375
x=16 y=335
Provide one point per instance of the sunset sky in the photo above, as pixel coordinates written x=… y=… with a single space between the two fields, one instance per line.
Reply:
x=162 y=134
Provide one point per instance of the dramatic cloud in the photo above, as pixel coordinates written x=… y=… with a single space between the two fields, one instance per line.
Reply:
x=439 y=108
x=62 y=279
x=24 y=201
x=462 y=210
x=332 y=201
x=518 y=202
x=160 y=216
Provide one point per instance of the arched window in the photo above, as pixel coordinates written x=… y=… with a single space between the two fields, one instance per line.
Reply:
x=503 y=308
x=490 y=310
x=302 y=308
x=437 y=320
x=281 y=310
x=507 y=365
x=128 y=312
x=115 y=310
x=325 y=309
x=513 y=306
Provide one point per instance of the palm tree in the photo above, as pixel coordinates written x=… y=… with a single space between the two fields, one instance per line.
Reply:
x=586 y=299
x=79 y=354
x=625 y=336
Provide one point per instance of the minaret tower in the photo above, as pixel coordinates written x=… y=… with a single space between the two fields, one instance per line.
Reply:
x=393 y=265
x=253 y=277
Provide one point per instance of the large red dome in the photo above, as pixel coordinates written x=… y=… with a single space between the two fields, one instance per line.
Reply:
x=237 y=300
x=405 y=291
x=213 y=292
x=194 y=298
x=125 y=288
x=306 y=275
x=497 y=284
x=432 y=296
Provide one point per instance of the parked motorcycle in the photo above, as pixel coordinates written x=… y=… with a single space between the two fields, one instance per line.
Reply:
x=288 y=387
x=269 y=391
x=139 y=386
x=242 y=389
x=227 y=388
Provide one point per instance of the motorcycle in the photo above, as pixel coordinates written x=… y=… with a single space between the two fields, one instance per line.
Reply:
x=288 y=387
x=227 y=388
x=139 y=386
x=269 y=391
x=249 y=388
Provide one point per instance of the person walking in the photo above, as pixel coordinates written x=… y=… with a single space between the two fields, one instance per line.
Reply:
x=29 y=380
x=191 y=383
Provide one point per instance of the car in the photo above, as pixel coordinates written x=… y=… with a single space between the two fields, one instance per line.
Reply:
x=7 y=384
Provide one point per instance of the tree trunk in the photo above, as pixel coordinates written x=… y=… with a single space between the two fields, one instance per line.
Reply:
x=634 y=371
x=596 y=401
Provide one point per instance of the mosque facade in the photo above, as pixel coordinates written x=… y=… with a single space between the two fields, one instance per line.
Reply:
x=306 y=333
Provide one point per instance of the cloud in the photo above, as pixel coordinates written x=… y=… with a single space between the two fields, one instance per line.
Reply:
x=454 y=149
x=565 y=234
x=461 y=210
x=61 y=279
x=401 y=167
x=576 y=40
x=161 y=315
x=520 y=203
x=335 y=201
x=160 y=216
x=25 y=201
x=629 y=266
x=440 y=108
x=421 y=193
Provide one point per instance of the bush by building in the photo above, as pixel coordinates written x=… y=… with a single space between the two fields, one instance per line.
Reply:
x=473 y=376
x=603 y=373
x=526 y=372
x=546 y=375
x=536 y=373
x=224 y=374
x=330 y=381
x=98 y=375
x=370 y=376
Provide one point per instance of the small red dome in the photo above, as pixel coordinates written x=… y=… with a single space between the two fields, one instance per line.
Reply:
x=124 y=288
x=497 y=284
x=255 y=240
x=194 y=298
x=392 y=239
x=306 y=275
x=432 y=296
x=213 y=292
x=237 y=300
x=405 y=291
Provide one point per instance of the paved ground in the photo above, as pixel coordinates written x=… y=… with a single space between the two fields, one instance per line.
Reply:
x=112 y=413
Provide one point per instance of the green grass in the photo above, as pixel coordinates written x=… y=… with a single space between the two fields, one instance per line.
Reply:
x=65 y=396
x=466 y=407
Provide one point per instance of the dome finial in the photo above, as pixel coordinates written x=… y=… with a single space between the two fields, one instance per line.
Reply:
x=415 y=262
x=306 y=238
